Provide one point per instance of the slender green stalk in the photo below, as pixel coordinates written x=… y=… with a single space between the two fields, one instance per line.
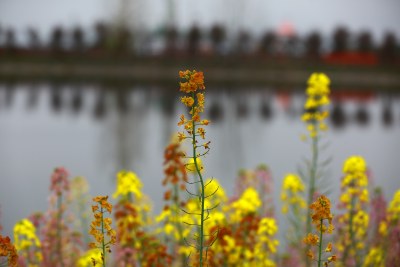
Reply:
x=312 y=186
x=313 y=172
x=202 y=198
x=103 y=245
x=320 y=244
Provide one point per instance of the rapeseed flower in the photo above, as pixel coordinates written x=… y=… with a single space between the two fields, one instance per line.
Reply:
x=394 y=209
x=248 y=203
x=101 y=228
x=375 y=258
x=317 y=98
x=354 y=222
x=291 y=196
x=92 y=257
x=27 y=243
x=128 y=183
x=314 y=116
x=193 y=84
x=7 y=249
x=322 y=219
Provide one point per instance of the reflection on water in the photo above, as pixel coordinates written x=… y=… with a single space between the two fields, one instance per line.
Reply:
x=95 y=131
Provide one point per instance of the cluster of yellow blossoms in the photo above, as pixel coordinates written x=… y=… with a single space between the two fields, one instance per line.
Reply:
x=128 y=183
x=375 y=258
x=353 y=224
x=317 y=97
x=322 y=219
x=90 y=258
x=27 y=243
x=249 y=202
x=394 y=209
x=291 y=196
x=101 y=226
x=244 y=237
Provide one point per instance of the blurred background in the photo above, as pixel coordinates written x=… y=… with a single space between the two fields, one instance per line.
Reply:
x=93 y=86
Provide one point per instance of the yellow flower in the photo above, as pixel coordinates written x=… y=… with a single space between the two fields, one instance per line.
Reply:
x=293 y=183
x=318 y=96
x=194 y=81
x=25 y=235
x=187 y=101
x=328 y=247
x=128 y=183
x=100 y=227
x=26 y=241
x=375 y=258
x=394 y=208
x=322 y=211
x=91 y=258
x=383 y=228
x=355 y=164
x=311 y=239
x=191 y=166
x=248 y=203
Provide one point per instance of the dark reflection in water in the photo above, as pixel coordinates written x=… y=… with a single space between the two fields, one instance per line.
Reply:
x=387 y=113
x=56 y=98
x=33 y=96
x=242 y=108
x=9 y=94
x=338 y=116
x=215 y=112
x=167 y=103
x=362 y=116
x=77 y=99
x=266 y=109
x=100 y=108
x=122 y=97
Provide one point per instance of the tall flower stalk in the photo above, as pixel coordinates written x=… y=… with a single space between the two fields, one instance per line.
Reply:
x=175 y=181
x=193 y=83
x=100 y=228
x=56 y=232
x=353 y=223
x=293 y=207
x=314 y=116
x=322 y=219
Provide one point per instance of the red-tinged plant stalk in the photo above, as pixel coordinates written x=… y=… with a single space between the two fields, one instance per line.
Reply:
x=56 y=238
x=175 y=180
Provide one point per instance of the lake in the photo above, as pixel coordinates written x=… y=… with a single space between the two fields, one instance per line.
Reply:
x=95 y=131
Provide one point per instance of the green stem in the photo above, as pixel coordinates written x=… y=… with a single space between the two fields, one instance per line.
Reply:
x=313 y=172
x=320 y=244
x=59 y=229
x=103 y=245
x=202 y=198
x=312 y=188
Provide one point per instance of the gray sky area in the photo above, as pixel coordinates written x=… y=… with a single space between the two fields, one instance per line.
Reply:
x=378 y=16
